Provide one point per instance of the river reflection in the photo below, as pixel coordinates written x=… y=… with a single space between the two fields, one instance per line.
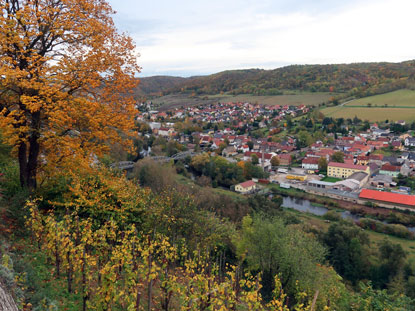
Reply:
x=307 y=206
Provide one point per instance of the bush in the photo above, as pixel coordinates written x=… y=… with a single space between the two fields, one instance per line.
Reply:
x=370 y=204
x=16 y=213
x=7 y=277
x=357 y=211
x=10 y=181
x=332 y=215
x=377 y=226
x=399 y=231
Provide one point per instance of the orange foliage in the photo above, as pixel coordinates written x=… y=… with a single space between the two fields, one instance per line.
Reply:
x=65 y=81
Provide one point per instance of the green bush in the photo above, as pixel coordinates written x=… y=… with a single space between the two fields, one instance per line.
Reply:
x=332 y=216
x=377 y=226
x=10 y=181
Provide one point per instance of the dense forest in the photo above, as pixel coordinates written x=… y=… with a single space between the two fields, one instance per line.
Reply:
x=358 y=79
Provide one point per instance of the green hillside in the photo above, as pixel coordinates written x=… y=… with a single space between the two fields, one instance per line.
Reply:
x=358 y=79
x=397 y=105
x=396 y=99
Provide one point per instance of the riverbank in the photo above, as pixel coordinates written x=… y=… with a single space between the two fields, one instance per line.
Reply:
x=320 y=223
x=306 y=206
x=378 y=213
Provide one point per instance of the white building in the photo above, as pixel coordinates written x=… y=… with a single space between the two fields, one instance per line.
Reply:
x=410 y=142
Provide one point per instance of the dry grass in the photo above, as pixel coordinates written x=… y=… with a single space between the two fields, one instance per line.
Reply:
x=292 y=99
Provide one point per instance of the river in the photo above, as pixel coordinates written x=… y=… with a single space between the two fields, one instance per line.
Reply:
x=307 y=206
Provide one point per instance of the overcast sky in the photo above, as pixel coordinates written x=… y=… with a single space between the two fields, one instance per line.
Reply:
x=196 y=37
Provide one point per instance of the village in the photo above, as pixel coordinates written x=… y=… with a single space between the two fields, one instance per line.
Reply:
x=362 y=167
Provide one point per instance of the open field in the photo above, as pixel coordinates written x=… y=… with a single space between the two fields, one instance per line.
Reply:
x=397 y=105
x=292 y=98
x=371 y=114
x=396 y=99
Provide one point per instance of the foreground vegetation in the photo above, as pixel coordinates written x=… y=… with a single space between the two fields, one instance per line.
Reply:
x=96 y=240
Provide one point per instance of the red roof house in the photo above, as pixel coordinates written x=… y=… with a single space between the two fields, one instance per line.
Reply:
x=347 y=165
x=285 y=159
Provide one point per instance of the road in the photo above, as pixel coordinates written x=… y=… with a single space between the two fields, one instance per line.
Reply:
x=349 y=101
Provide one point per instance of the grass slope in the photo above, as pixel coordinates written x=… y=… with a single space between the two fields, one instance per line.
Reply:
x=396 y=99
x=397 y=105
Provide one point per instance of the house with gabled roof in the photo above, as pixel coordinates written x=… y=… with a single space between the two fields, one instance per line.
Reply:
x=344 y=170
x=285 y=159
x=310 y=163
x=389 y=169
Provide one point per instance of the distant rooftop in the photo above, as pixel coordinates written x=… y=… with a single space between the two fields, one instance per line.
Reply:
x=346 y=165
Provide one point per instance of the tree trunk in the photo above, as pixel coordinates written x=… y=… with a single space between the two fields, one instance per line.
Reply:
x=149 y=283
x=28 y=162
x=57 y=258
x=6 y=301
x=69 y=271
x=84 y=281
x=33 y=161
x=23 y=164
x=33 y=151
x=28 y=153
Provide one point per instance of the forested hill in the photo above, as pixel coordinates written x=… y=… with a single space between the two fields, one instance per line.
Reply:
x=358 y=79
x=155 y=84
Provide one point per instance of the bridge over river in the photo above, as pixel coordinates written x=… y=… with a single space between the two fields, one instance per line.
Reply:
x=129 y=165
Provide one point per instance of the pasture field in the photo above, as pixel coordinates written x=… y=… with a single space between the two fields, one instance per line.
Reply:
x=393 y=106
x=291 y=98
x=371 y=114
x=396 y=99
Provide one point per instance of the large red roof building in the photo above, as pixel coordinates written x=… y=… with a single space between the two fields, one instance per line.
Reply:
x=389 y=198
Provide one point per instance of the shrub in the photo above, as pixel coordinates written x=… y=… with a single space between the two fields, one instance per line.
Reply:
x=395 y=230
x=332 y=215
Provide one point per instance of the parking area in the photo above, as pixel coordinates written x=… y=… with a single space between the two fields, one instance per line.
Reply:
x=301 y=173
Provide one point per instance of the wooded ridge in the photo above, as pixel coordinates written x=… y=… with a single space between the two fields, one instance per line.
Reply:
x=358 y=79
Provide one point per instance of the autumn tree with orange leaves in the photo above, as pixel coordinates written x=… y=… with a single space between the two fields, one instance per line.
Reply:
x=65 y=80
